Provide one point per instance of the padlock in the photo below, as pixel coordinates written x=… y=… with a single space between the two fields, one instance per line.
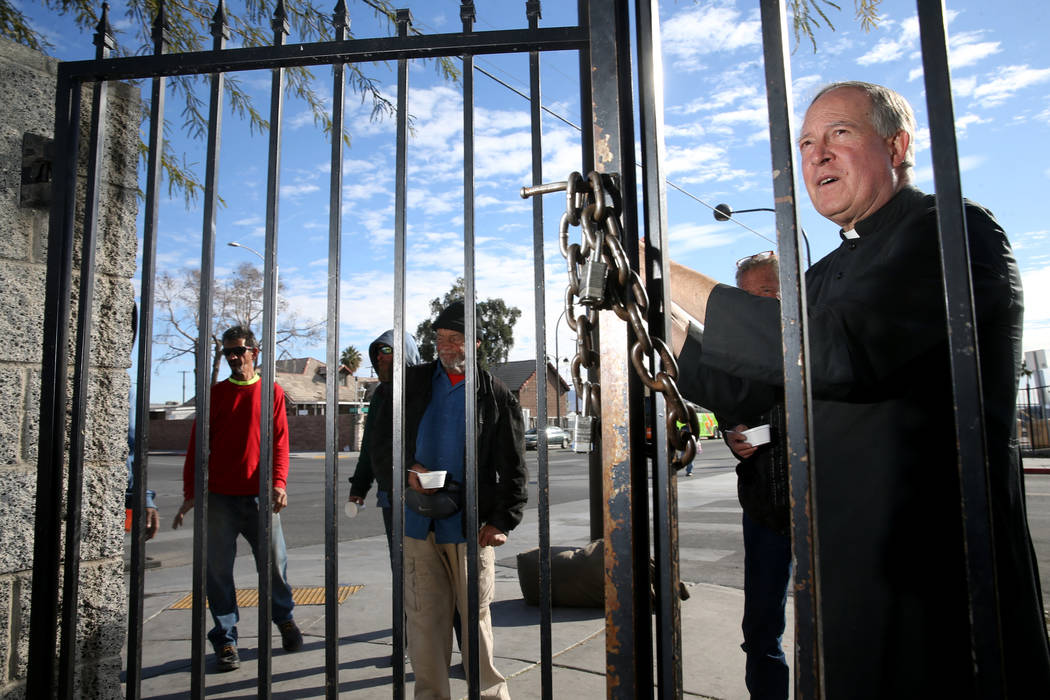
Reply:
x=581 y=434
x=592 y=283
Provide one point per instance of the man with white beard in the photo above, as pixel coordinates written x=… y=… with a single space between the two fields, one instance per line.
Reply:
x=435 y=529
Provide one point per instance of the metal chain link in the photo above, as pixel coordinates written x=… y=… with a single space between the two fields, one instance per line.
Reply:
x=600 y=277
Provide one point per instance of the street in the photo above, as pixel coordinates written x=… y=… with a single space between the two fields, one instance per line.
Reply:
x=710 y=539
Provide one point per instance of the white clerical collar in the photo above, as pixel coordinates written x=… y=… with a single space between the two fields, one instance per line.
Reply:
x=850 y=234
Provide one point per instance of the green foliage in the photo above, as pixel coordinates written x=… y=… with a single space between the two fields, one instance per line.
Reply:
x=189 y=29
x=351 y=358
x=807 y=16
x=495 y=327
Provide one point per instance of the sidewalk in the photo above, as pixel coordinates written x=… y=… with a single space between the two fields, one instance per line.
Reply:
x=713 y=665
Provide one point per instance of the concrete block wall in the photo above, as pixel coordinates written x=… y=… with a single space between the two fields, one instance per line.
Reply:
x=28 y=106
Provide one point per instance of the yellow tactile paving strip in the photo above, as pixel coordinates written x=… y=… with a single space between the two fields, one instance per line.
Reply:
x=249 y=597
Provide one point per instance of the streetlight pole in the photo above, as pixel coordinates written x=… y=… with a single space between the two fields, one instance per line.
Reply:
x=276 y=269
x=724 y=212
x=557 y=366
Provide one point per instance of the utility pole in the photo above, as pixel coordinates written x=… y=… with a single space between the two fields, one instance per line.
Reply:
x=184 y=372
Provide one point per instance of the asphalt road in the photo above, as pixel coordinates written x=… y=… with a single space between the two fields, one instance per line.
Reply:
x=303 y=519
x=710 y=539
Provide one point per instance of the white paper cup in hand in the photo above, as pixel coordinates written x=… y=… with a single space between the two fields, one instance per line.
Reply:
x=758 y=435
x=431 y=480
x=351 y=509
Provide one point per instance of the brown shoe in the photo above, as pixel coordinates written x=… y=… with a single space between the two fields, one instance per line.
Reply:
x=291 y=637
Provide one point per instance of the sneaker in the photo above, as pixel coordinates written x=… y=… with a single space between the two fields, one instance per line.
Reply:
x=227 y=659
x=291 y=637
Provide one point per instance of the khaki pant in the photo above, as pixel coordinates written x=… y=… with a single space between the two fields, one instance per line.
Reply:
x=435 y=585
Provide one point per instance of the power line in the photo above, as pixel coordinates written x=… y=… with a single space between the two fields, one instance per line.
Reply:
x=566 y=121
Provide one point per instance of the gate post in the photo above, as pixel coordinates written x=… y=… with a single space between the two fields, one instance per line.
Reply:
x=628 y=637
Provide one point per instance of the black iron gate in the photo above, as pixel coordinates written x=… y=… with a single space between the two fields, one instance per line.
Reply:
x=603 y=39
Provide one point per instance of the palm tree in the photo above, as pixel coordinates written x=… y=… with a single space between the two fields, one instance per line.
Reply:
x=351 y=358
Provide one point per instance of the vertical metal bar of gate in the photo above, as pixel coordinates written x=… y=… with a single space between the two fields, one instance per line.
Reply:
x=470 y=481
x=397 y=484
x=220 y=33
x=341 y=24
x=809 y=656
x=104 y=43
x=665 y=483
x=40 y=672
x=628 y=636
x=133 y=682
x=594 y=465
x=533 y=13
x=983 y=594
x=269 y=345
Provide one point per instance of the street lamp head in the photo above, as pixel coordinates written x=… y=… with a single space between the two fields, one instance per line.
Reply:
x=235 y=244
x=723 y=212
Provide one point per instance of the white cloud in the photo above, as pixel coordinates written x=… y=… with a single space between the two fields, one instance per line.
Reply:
x=966 y=164
x=1010 y=79
x=683 y=160
x=962 y=87
x=298 y=190
x=701 y=30
x=884 y=51
x=961 y=123
x=720 y=98
x=964 y=52
x=754 y=116
x=298 y=121
x=691 y=237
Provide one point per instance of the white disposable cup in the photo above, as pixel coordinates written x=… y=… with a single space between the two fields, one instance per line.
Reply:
x=432 y=480
x=351 y=509
x=758 y=435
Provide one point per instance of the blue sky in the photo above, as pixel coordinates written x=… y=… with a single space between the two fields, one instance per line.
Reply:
x=717 y=148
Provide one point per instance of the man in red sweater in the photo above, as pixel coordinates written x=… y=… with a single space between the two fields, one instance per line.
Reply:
x=233 y=495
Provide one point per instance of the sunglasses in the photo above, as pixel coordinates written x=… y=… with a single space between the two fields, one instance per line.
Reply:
x=757 y=257
x=385 y=350
x=238 y=351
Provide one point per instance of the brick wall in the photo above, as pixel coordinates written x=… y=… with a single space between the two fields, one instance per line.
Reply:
x=529 y=399
x=305 y=433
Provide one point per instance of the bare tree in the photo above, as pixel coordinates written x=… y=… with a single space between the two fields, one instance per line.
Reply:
x=237 y=301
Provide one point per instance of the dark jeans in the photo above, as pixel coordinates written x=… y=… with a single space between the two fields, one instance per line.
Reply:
x=767 y=571
x=229 y=516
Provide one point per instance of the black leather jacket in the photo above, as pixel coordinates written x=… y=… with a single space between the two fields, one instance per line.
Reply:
x=502 y=476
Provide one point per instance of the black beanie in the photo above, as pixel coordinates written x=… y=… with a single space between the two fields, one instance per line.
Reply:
x=451 y=318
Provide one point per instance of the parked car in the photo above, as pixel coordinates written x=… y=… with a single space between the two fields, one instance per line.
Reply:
x=555 y=436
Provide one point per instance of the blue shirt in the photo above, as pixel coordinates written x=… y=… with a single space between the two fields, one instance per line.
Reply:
x=440 y=446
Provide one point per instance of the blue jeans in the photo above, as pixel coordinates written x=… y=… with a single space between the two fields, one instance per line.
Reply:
x=229 y=516
x=767 y=571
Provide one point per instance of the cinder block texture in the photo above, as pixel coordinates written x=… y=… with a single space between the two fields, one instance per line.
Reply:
x=100 y=632
x=12 y=404
x=16 y=223
x=22 y=312
x=101 y=601
x=102 y=510
x=18 y=494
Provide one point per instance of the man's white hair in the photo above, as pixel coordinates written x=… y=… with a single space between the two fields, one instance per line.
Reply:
x=890 y=112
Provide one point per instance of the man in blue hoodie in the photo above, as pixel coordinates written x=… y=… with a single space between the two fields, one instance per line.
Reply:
x=375 y=462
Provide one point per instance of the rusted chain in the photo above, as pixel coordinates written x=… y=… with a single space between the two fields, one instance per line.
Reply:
x=600 y=263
